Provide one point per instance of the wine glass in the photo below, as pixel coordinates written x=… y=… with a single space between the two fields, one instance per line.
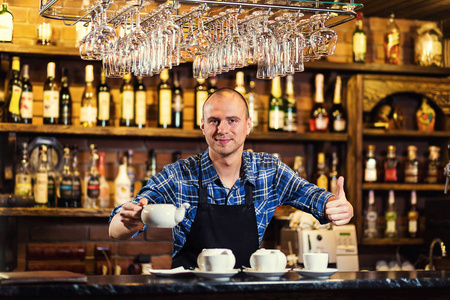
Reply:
x=323 y=39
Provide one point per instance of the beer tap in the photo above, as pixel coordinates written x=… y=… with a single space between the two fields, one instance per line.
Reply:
x=447 y=171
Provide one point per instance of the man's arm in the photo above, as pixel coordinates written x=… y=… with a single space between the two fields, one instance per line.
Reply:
x=128 y=221
x=338 y=210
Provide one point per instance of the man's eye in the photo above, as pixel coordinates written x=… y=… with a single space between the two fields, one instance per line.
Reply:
x=233 y=120
x=213 y=122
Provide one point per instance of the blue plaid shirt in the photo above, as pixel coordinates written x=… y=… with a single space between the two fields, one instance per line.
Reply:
x=273 y=183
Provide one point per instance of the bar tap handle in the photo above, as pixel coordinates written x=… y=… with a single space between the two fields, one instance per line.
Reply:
x=447 y=171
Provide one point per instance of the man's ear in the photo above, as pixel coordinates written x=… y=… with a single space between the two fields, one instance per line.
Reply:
x=249 y=125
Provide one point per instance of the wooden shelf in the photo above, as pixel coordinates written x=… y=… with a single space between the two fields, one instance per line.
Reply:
x=54 y=212
x=386 y=241
x=404 y=186
x=381 y=133
x=162 y=133
x=48 y=50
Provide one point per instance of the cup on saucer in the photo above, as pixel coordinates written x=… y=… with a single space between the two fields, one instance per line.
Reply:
x=218 y=260
x=317 y=262
x=268 y=260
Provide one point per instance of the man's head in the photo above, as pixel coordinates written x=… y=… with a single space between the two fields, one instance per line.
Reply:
x=226 y=122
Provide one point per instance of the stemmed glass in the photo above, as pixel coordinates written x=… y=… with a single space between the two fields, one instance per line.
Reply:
x=267 y=47
x=323 y=39
x=137 y=46
x=86 y=45
x=104 y=36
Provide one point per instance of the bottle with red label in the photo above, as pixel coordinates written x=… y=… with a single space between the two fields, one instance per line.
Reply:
x=318 y=119
x=93 y=181
x=392 y=42
x=391 y=165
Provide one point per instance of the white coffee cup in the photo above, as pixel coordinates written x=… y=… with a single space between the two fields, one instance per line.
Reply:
x=212 y=259
x=315 y=261
x=268 y=260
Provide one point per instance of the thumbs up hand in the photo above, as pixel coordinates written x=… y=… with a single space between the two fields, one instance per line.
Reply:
x=338 y=209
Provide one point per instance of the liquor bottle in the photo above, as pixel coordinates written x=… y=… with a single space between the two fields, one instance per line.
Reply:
x=434 y=169
x=290 y=108
x=391 y=165
x=370 y=226
x=338 y=113
x=76 y=198
x=391 y=217
x=370 y=170
x=51 y=97
x=177 y=102
x=93 y=181
x=359 y=41
x=201 y=94
x=392 y=42
x=276 y=111
x=253 y=104
x=14 y=93
x=131 y=171
x=127 y=102
x=299 y=166
x=104 y=186
x=104 y=102
x=23 y=185
x=212 y=85
x=26 y=101
x=321 y=173
x=51 y=183
x=412 y=166
x=413 y=217
x=6 y=19
x=334 y=174
x=164 y=101
x=88 y=110
x=65 y=100
x=318 y=120
x=122 y=185
x=41 y=179
x=150 y=166
x=66 y=184
x=140 y=97
x=240 y=83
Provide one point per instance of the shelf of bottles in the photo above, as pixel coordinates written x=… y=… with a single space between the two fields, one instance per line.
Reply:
x=54 y=212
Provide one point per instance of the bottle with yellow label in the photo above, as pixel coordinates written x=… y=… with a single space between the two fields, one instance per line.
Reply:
x=88 y=110
x=140 y=96
x=127 y=102
x=201 y=94
x=321 y=174
x=164 y=100
x=14 y=93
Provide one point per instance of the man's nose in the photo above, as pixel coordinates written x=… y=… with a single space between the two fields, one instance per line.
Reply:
x=222 y=127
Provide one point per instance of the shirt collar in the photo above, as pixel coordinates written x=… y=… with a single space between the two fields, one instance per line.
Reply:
x=210 y=174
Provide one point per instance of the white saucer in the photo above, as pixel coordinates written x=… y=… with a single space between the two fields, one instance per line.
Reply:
x=316 y=274
x=169 y=272
x=215 y=275
x=265 y=275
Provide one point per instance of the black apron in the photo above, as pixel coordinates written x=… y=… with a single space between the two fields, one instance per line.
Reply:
x=220 y=226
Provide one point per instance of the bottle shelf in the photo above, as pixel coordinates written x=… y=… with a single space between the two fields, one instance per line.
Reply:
x=387 y=241
x=54 y=212
x=48 y=50
x=381 y=133
x=162 y=133
x=404 y=186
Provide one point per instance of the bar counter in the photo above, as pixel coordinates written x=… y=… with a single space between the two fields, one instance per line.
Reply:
x=341 y=285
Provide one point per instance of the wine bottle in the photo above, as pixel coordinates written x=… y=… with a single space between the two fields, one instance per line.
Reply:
x=359 y=40
x=51 y=183
x=104 y=186
x=334 y=174
x=51 y=97
x=290 y=108
x=371 y=217
x=391 y=165
x=164 y=100
x=41 y=179
x=150 y=166
x=391 y=217
x=276 y=111
x=299 y=166
x=104 y=102
x=76 y=198
x=66 y=184
x=93 y=181
x=23 y=185
x=122 y=185
x=140 y=96
x=253 y=104
x=412 y=165
x=7 y=21
x=434 y=168
x=370 y=170
x=318 y=120
x=338 y=113
x=14 y=93
x=127 y=102
x=321 y=173
x=26 y=101
x=177 y=102
x=201 y=94
x=240 y=83
x=392 y=42
x=413 y=217
x=131 y=171
x=65 y=100
x=88 y=110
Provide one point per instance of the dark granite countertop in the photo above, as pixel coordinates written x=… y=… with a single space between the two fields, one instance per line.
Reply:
x=352 y=284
